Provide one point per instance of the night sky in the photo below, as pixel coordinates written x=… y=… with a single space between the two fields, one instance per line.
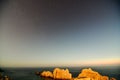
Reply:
x=35 y=33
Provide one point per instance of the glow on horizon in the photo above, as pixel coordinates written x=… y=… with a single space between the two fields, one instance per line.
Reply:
x=109 y=62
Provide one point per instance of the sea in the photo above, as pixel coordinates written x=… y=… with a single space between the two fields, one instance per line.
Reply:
x=29 y=73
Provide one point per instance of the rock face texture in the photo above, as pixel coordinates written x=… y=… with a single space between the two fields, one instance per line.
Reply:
x=93 y=75
x=82 y=79
x=57 y=74
x=47 y=74
x=61 y=74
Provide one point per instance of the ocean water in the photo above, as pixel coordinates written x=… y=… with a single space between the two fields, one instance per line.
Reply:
x=29 y=73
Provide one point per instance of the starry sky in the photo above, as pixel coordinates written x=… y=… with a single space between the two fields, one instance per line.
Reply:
x=35 y=33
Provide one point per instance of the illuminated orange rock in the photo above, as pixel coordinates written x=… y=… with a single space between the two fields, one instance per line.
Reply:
x=104 y=78
x=61 y=74
x=47 y=74
x=93 y=75
x=82 y=79
x=86 y=74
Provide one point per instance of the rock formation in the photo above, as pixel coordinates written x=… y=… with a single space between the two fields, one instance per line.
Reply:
x=93 y=75
x=47 y=74
x=57 y=74
x=81 y=79
x=61 y=74
x=86 y=74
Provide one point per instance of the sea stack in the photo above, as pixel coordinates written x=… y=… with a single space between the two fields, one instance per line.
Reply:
x=93 y=75
x=61 y=74
x=47 y=74
x=57 y=74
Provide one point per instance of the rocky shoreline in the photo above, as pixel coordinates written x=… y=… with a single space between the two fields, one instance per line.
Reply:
x=64 y=74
